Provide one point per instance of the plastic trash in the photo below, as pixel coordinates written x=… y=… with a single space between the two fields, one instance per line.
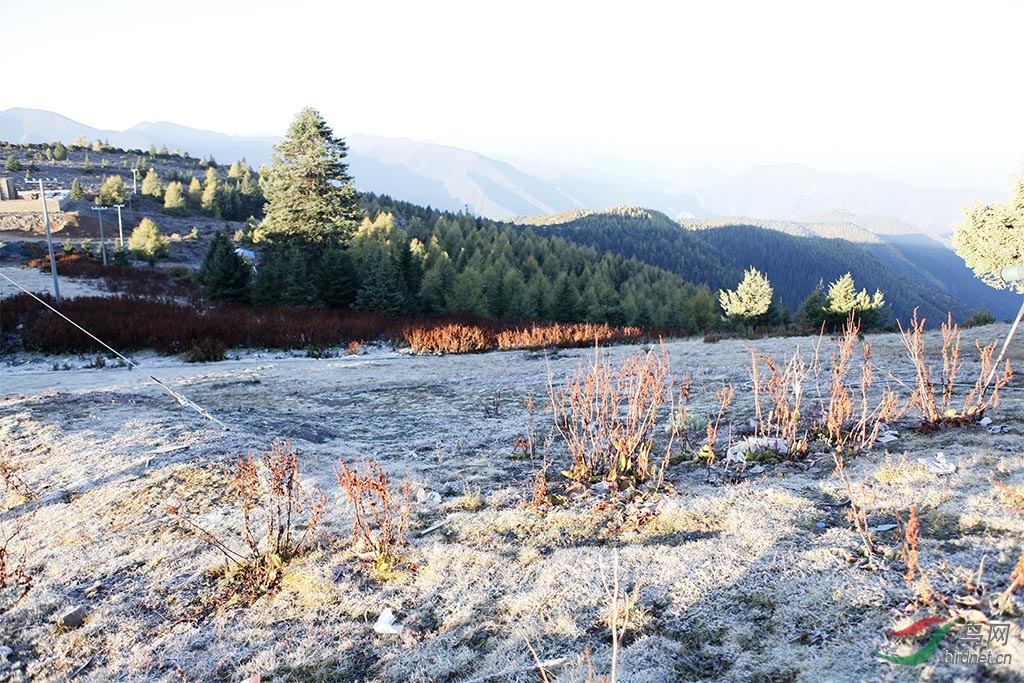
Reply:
x=386 y=623
x=938 y=464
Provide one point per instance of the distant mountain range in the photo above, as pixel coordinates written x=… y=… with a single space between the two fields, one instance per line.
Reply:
x=454 y=179
x=894 y=224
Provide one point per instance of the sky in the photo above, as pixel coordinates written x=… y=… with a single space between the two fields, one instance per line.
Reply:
x=923 y=91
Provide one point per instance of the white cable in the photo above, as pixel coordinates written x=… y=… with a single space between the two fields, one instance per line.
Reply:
x=181 y=399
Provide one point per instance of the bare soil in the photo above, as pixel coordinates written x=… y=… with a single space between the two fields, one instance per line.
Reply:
x=741 y=576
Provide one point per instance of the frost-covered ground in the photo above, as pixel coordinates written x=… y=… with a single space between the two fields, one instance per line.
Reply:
x=758 y=577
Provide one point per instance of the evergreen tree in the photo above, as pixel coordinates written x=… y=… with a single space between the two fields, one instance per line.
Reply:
x=380 y=291
x=468 y=294
x=77 y=193
x=843 y=299
x=309 y=193
x=60 y=152
x=152 y=185
x=195 y=191
x=990 y=238
x=212 y=201
x=335 y=279
x=87 y=165
x=810 y=315
x=270 y=277
x=174 y=200
x=224 y=274
x=147 y=243
x=297 y=289
x=112 y=191
x=12 y=165
x=750 y=300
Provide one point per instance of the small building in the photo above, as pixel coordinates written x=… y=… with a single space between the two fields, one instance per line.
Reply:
x=8 y=191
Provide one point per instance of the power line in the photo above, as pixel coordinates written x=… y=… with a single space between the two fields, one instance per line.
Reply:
x=180 y=398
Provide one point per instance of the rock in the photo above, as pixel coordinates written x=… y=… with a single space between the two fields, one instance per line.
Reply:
x=5 y=652
x=72 y=618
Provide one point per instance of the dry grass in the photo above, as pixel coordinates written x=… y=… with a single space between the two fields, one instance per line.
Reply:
x=755 y=577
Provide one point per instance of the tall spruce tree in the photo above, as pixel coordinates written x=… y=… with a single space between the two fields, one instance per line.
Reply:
x=224 y=273
x=308 y=191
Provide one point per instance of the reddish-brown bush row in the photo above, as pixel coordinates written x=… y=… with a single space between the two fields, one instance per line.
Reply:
x=575 y=334
x=125 y=279
x=131 y=323
x=469 y=338
x=169 y=326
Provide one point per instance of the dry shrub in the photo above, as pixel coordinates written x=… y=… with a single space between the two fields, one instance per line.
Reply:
x=447 y=338
x=279 y=517
x=858 y=514
x=126 y=279
x=784 y=392
x=13 y=575
x=381 y=519
x=933 y=414
x=607 y=415
x=565 y=335
x=850 y=426
x=724 y=395
x=911 y=538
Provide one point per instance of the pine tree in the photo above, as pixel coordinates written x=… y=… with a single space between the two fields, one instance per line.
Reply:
x=989 y=238
x=77 y=193
x=147 y=243
x=380 y=291
x=60 y=152
x=224 y=274
x=152 y=185
x=335 y=279
x=309 y=193
x=195 y=191
x=810 y=315
x=297 y=289
x=12 y=165
x=212 y=201
x=174 y=200
x=112 y=191
x=750 y=300
x=843 y=299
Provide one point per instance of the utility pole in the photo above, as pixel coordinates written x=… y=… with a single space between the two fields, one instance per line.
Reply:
x=103 y=242
x=120 y=227
x=135 y=187
x=49 y=241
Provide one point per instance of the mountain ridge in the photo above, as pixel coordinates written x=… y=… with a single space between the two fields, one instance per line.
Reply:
x=454 y=179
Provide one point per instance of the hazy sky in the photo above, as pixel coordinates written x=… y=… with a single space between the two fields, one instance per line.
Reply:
x=888 y=86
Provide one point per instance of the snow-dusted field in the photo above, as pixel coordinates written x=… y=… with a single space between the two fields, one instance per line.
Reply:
x=757 y=577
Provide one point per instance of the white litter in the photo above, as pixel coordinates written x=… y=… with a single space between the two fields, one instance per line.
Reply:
x=425 y=497
x=386 y=623
x=938 y=464
x=985 y=421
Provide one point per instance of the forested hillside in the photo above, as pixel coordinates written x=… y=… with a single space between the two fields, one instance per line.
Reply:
x=415 y=260
x=716 y=253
